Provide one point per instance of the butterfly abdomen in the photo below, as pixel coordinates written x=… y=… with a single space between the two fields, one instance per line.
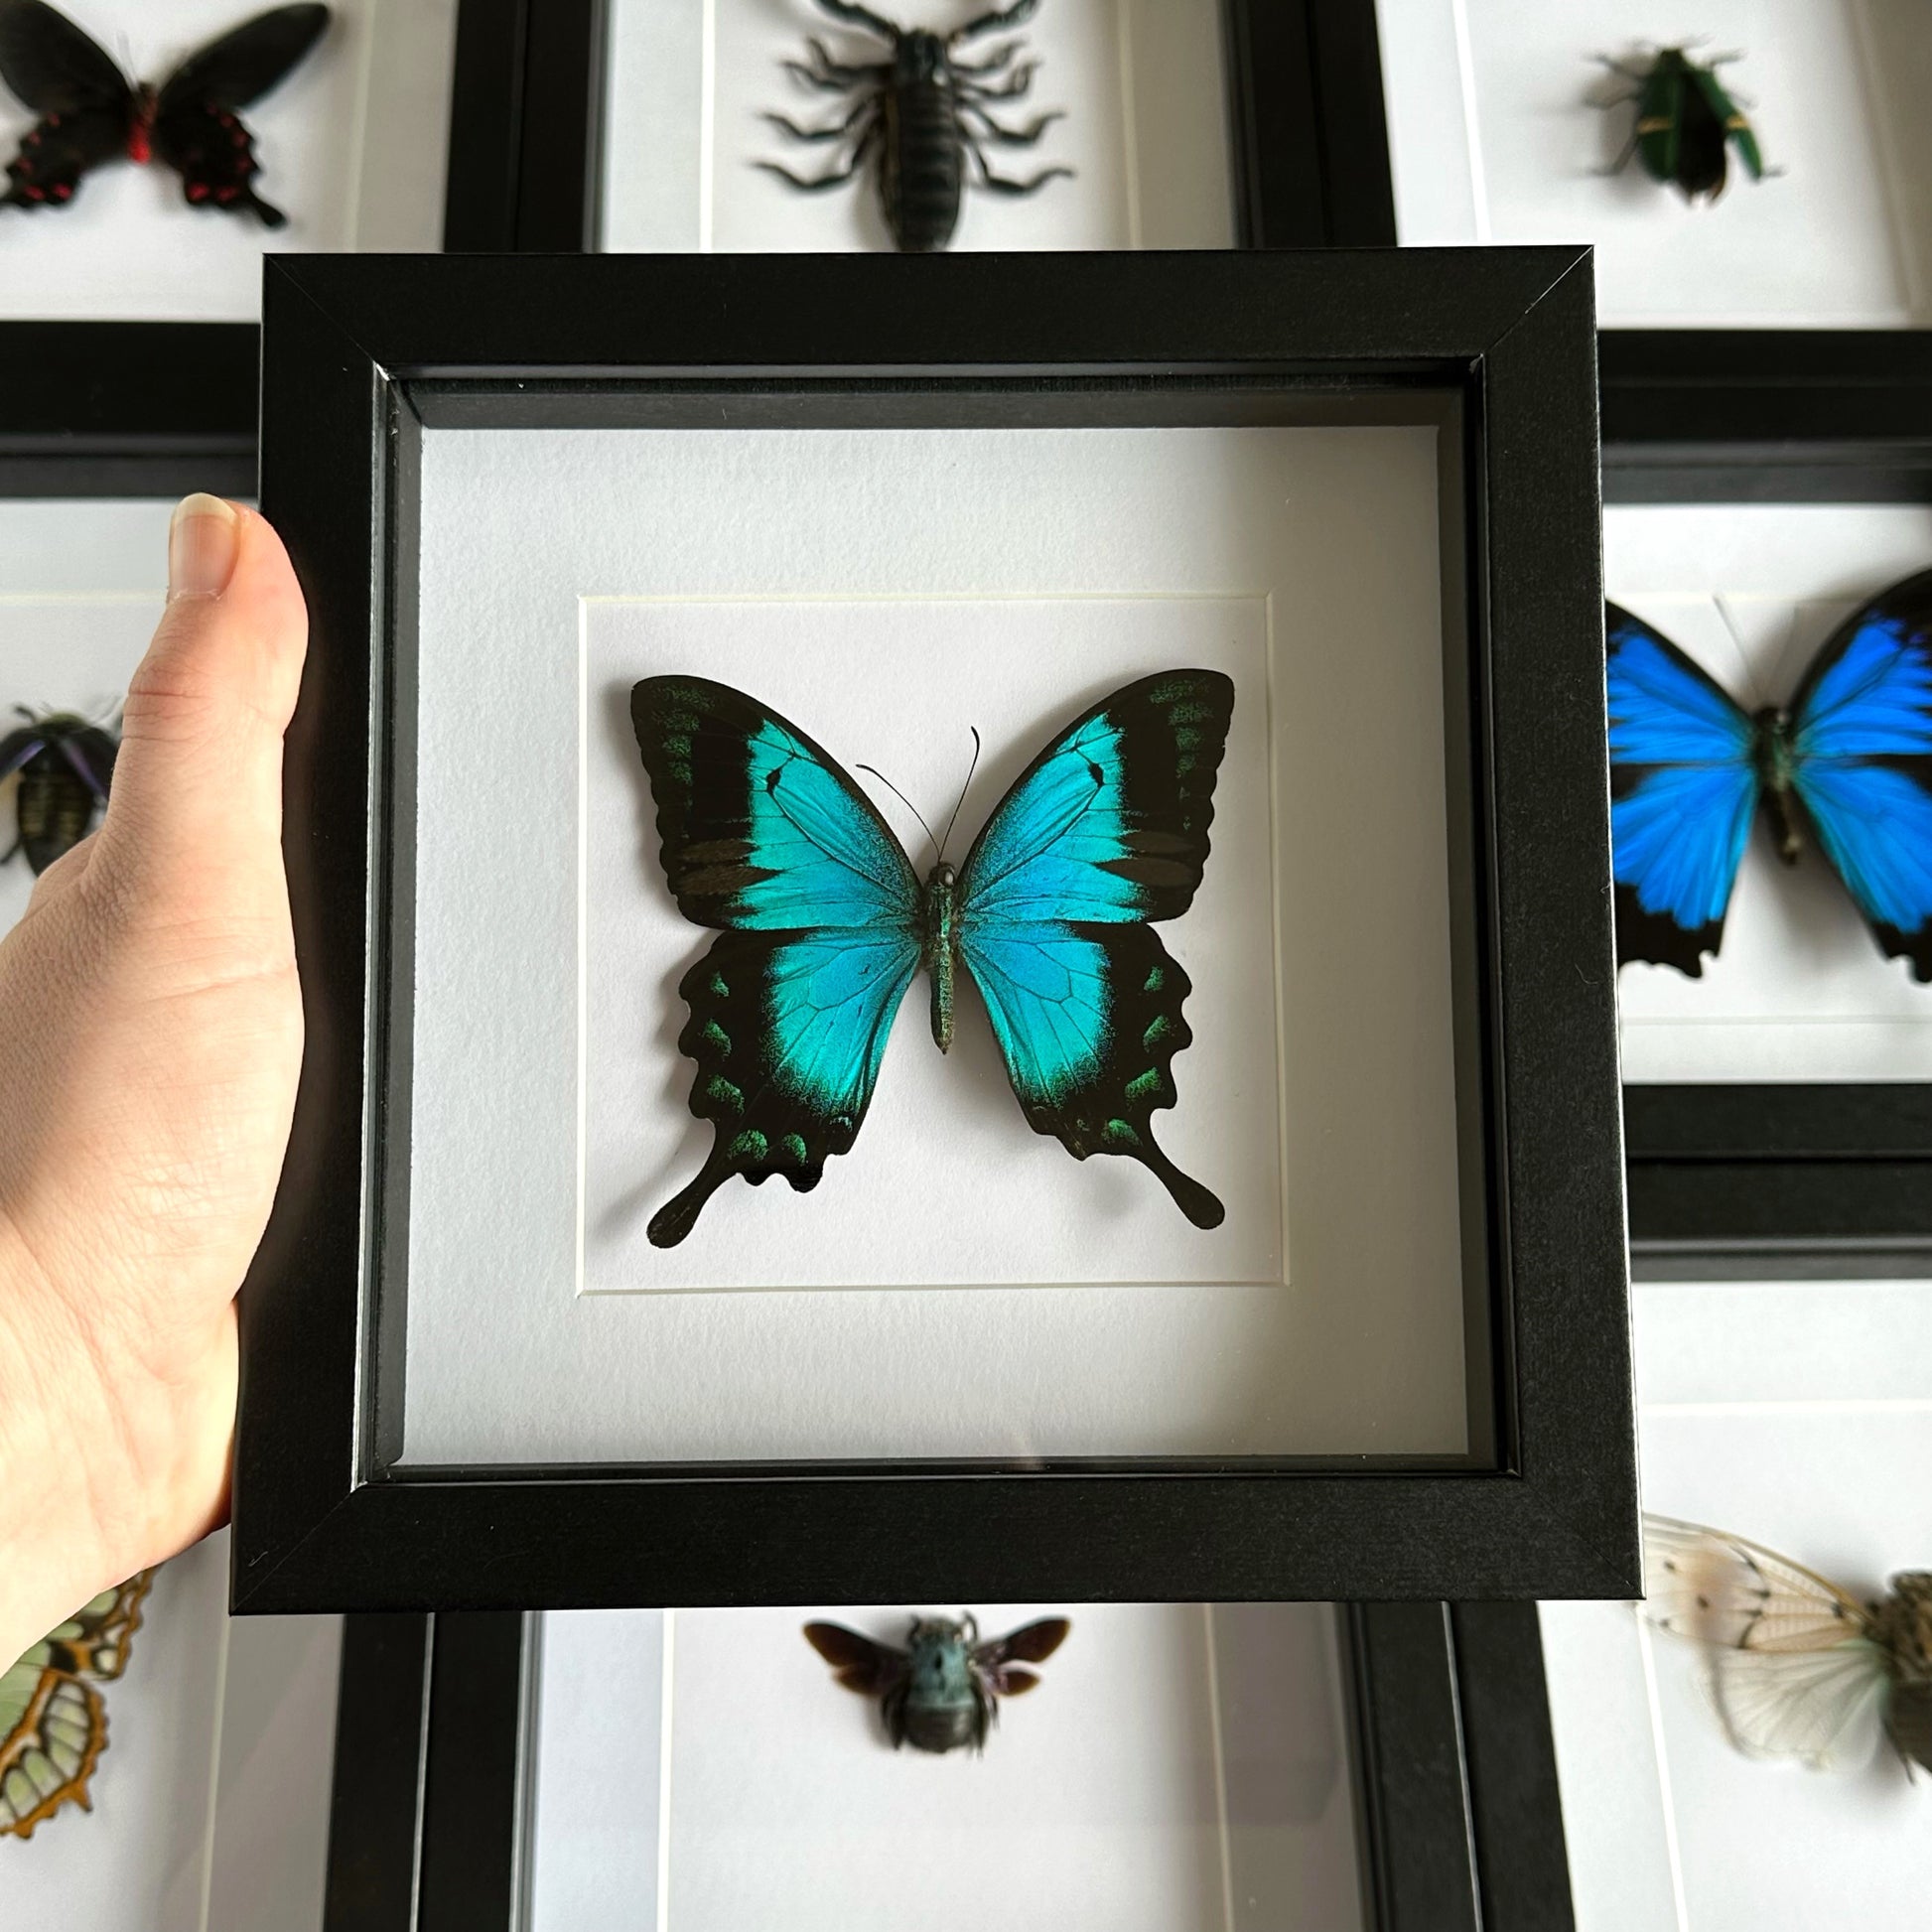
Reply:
x=1777 y=760
x=140 y=128
x=939 y=955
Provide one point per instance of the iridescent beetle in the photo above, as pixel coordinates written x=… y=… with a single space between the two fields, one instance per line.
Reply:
x=941 y=1692
x=1797 y=1667
x=65 y=764
x=1686 y=122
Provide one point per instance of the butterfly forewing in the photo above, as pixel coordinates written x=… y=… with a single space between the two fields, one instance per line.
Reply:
x=1105 y=831
x=241 y=66
x=54 y=66
x=1861 y=744
x=1683 y=789
x=1725 y=1591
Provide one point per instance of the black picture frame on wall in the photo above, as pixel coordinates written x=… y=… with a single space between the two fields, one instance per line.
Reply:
x=1458 y=1817
x=362 y=355
x=1749 y=1181
x=1308 y=159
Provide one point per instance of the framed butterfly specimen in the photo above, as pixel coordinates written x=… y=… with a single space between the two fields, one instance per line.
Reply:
x=941 y=1692
x=53 y=1716
x=1364 y=1032
x=91 y=114
x=1844 y=767
x=825 y=925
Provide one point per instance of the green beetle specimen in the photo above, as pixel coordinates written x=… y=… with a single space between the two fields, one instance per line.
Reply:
x=1686 y=122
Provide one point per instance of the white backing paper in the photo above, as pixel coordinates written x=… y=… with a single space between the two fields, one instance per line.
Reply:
x=1798 y=1414
x=1357 y=1346
x=1140 y=82
x=1799 y=990
x=1180 y=1768
x=352 y=147
x=1496 y=136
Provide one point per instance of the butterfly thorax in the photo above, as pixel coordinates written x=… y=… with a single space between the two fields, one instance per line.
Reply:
x=939 y=944
x=140 y=127
x=1902 y=1625
x=1776 y=756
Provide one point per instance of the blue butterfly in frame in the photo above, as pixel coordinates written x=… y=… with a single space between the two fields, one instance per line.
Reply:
x=1845 y=765
x=824 y=924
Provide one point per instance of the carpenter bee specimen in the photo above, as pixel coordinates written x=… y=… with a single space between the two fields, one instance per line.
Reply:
x=65 y=766
x=1796 y=1666
x=942 y=1691
x=1685 y=122
x=923 y=115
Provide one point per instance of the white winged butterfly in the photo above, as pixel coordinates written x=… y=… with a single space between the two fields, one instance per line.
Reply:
x=1795 y=1666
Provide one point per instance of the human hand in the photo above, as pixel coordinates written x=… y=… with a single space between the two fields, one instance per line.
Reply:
x=150 y=1040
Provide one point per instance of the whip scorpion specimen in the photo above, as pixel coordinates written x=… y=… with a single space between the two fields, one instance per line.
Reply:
x=923 y=115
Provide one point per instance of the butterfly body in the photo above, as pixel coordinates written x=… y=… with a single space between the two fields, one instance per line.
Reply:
x=1845 y=768
x=91 y=114
x=941 y=1692
x=824 y=925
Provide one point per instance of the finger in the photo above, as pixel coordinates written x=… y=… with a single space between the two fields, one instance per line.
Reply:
x=197 y=796
x=60 y=876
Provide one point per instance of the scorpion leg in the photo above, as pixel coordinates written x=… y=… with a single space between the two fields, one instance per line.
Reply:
x=838 y=176
x=855 y=16
x=836 y=132
x=1015 y=15
x=1002 y=185
x=1011 y=88
x=995 y=63
x=833 y=77
x=989 y=129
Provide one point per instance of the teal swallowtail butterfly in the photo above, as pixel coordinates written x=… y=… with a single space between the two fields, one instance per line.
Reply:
x=824 y=924
x=52 y=1722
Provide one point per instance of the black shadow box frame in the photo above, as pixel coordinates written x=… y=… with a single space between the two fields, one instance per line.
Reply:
x=1459 y=1819
x=362 y=354
x=1828 y=1178
x=1309 y=159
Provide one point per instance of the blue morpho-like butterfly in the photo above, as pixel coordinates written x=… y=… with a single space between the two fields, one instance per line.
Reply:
x=825 y=923
x=1846 y=765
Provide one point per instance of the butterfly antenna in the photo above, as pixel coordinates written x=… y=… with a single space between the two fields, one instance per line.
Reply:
x=1737 y=644
x=903 y=800
x=963 y=789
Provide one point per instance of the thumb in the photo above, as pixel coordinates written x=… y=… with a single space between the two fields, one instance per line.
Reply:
x=194 y=811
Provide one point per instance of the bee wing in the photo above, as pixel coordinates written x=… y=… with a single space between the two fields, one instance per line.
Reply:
x=91 y=753
x=870 y=1668
x=1032 y=1642
x=1734 y=1594
x=1825 y=1707
x=18 y=747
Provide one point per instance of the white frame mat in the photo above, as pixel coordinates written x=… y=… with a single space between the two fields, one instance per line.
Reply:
x=1271 y=545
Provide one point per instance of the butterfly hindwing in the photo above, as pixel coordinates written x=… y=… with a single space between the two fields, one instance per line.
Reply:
x=1105 y=831
x=82 y=97
x=1862 y=757
x=52 y=1722
x=1683 y=789
x=197 y=130
x=764 y=835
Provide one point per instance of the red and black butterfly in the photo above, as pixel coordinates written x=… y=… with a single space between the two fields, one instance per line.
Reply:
x=91 y=114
